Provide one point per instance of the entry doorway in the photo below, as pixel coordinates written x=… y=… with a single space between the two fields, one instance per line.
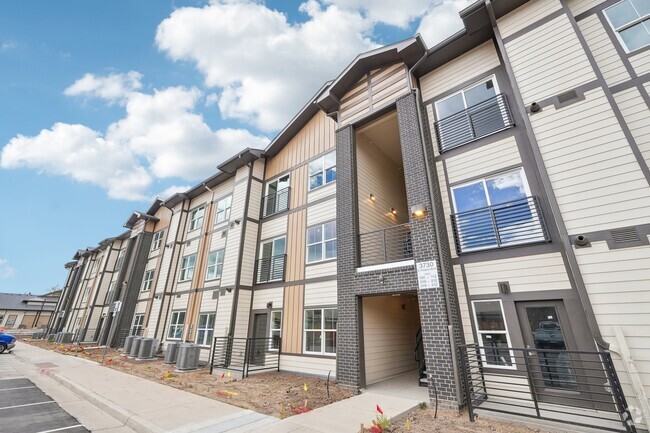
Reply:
x=260 y=335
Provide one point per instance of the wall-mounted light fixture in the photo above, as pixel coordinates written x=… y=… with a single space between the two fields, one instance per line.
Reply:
x=228 y=289
x=372 y=197
x=418 y=210
x=269 y=304
x=393 y=211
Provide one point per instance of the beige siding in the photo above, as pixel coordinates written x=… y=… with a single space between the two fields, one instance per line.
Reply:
x=320 y=294
x=389 y=327
x=603 y=50
x=595 y=176
x=525 y=274
x=298 y=194
x=248 y=257
x=274 y=228
x=243 y=313
x=224 y=310
x=208 y=305
x=579 y=6
x=258 y=169
x=321 y=212
x=230 y=258
x=255 y=200
x=296 y=232
x=319 y=193
x=641 y=62
x=637 y=116
x=485 y=159
x=565 y=64
x=308 y=365
x=292 y=319
x=447 y=207
x=463 y=305
x=263 y=297
x=618 y=283
x=320 y=270
x=526 y=15
x=472 y=64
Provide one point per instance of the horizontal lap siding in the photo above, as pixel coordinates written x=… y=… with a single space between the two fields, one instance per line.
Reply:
x=618 y=284
x=597 y=181
x=525 y=274
x=463 y=305
x=319 y=193
x=248 y=256
x=262 y=297
x=321 y=270
x=603 y=50
x=637 y=116
x=564 y=66
x=526 y=15
x=641 y=62
x=309 y=365
x=447 y=207
x=243 y=313
x=274 y=228
x=472 y=64
x=483 y=160
x=320 y=294
x=321 y=212
x=579 y=6
x=255 y=201
x=224 y=310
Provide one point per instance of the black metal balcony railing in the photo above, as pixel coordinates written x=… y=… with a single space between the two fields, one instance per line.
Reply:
x=271 y=268
x=275 y=202
x=484 y=118
x=391 y=244
x=515 y=222
x=245 y=355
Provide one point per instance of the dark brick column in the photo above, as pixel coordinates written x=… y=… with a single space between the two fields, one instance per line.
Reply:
x=433 y=309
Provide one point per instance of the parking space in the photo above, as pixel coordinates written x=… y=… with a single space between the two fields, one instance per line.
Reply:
x=26 y=409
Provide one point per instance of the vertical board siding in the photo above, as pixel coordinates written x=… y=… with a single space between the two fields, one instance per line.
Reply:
x=596 y=178
x=248 y=256
x=321 y=212
x=298 y=186
x=526 y=15
x=309 y=365
x=296 y=232
x=243 y=313
x=636 y=115
x=579 y=6
x=274 y=228
x=641 y=62
x=314 y=138
x=263 y=297
x=618 y=283
x=379 y=175
x=485 y=159
x=472 y=64
x=389 y=328
x=565 y=64
x=319 y=294
x=463 y=305
x=603 y=50
x=525 y=274
x=292 y=319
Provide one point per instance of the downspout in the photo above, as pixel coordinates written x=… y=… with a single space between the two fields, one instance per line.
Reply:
x=445 y=282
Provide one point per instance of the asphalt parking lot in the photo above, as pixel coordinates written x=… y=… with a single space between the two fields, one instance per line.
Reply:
x=26 y=409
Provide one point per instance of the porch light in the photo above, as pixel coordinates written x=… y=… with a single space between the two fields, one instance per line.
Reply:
x=418 y=210
x=372 y=197
x=393 y=211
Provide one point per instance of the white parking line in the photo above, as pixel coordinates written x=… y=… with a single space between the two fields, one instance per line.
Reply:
x=12 y=378
x=25 y=405
x=61 y=429
x=20 y=387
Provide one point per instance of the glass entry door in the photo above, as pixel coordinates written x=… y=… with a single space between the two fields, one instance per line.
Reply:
x=259 y=343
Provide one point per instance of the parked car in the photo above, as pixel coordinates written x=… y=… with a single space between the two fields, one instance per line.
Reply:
x=7 y=341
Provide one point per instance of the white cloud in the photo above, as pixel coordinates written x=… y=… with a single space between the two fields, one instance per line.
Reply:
x=170 y=191
x=442 y=21
x=8 y=45
x=6 y=271
x=113 y=87
x=396 y=13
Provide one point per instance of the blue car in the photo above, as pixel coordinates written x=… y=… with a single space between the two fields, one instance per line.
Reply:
x=7 y=342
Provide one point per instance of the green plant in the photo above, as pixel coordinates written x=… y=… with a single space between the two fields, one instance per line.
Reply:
x=422 y=405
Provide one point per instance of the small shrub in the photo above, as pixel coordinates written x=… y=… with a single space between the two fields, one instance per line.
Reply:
x=422 y=405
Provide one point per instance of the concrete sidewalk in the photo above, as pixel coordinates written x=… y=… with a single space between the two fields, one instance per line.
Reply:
x=145 y=406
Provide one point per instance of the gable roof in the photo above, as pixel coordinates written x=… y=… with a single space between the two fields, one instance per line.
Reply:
x=18 y=301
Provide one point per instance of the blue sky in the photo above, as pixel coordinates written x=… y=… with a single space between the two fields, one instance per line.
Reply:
x=106 y=105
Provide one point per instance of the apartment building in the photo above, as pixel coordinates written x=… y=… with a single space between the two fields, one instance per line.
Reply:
x=474 y=211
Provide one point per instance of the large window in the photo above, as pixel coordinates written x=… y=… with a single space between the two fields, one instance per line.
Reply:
x=276 y=198
x=493 y=334
x=270 y=265
x=110 y=293
x=138 y=321
x=176 y=325
x=205 y=329
x=215 y=265
x=322 y=171
x=630 y=19
x=148 y=280
x=276 y=329
x=320 y=331
x=196 y=218
x=321 y=242
x=157 y=240
x=187 y=268
x=120 y=259
x=223 y=209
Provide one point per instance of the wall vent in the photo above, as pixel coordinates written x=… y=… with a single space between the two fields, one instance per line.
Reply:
x=623 y=236
x=504 y=287
x=567 y=96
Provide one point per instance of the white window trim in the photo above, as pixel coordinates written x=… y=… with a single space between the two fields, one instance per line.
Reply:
x=193 y=212
x=176 y=325
x=323 y=172
x=322 y=331
x=146 y=284
x=157 y=240
x=625 y=27
x=183 y=271
x=271 y=349
x=216 y=265
x=227 y=210
x=462 y=92
x=206 y=329
x=479 y=334
x=322 y=242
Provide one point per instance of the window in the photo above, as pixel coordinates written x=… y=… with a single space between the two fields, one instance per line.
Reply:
x=322 y=171
x=270 y=266
x=223 y=209
x=276 y=329
x=320 y=331
x=187 y=268
x=630 y=19
x=120 y=259
x=148 y=279
x=205 y=329
x=138 y=321
x=176 y=325
x=471 y=113
x=215 y=265
x=277 y=196
x=196 y=218
x=157 y=240
x=110 y=293
x=493 y=334
x=496 y=211
x=321 y=242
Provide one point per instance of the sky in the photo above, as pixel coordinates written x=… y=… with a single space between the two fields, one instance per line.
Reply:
x=106 y=105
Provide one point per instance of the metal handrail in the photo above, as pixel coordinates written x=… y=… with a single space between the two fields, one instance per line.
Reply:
x=276 y=202
x=485 y=118
x=270 y=268
x=390 y=244
x=516 y=222
x=245 y=355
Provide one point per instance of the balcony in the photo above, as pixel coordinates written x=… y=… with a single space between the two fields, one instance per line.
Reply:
x=516 y=222
x=276 y=202
x=271 y=269
x=392 y=244
x=485 y=118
